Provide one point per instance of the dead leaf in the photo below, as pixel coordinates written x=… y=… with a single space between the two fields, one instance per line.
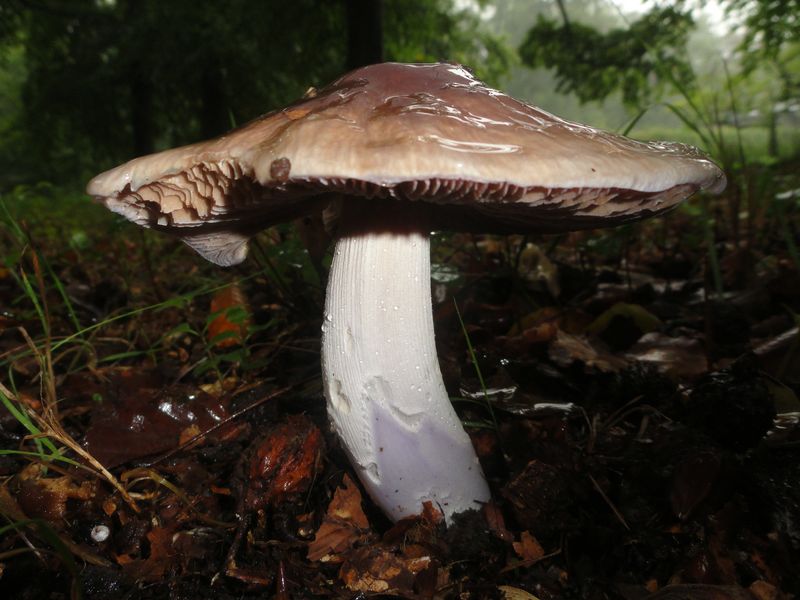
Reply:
x=135 y=421
x=344 y=525
x=528 y=548
x=497 y=525
x=162 y=555
x=764 y=591
x=46 y=497
x=514 y=593
x=539 y=326
x=567 y=349
x=378 y=569
x=679 y=357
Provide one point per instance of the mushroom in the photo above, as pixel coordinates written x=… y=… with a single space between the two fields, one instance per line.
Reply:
x=399 y=150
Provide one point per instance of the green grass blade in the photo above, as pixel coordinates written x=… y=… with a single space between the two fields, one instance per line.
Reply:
x=30 y=426
x=632 y=123
x=45 y=457
x=475 y=364
x=63 y=293
x=691 y=125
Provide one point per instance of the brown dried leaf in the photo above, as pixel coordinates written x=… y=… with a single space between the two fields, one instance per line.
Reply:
x=514 y=593
x=135 y=421
x=538 y=326
x=46 y=497
x=496 y=522
x=765 y=591
x=679 y=357
x=567 y=349
x=344 y=525
x=423 y=526
x=162 y=555
x=378 y=569
x=528 y=548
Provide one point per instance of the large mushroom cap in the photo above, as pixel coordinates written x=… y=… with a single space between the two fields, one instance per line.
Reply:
x=426 y=132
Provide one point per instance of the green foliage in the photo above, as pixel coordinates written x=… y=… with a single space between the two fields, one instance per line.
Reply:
x=755 y=140
x=434 y=31
x=94 y=83
x=770 y=25
x=770 y=52
x=48 y=212
x=13 y=159
x=46 y=450
x=591 y=64
x=108 y=81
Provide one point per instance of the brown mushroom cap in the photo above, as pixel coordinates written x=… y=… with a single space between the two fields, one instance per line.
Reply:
x=397 y=132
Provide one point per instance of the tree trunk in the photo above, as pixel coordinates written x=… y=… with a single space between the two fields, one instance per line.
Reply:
x=213 y=109
x=364 y=33
x=141 y=90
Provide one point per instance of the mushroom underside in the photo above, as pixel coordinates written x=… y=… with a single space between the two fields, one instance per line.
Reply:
x=218 y=225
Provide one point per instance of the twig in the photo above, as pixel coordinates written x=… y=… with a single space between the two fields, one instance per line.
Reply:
x=608 y=501
x=192 y=440
x=527 y=563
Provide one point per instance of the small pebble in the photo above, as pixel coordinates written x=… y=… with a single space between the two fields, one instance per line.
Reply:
x=100 y=533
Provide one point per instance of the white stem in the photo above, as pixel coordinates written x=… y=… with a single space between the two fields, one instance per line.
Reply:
x=382 y=380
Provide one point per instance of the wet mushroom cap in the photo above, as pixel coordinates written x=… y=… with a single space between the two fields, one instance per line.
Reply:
x=404 y=132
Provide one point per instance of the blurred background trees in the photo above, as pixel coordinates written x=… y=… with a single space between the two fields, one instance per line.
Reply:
x=85 y=84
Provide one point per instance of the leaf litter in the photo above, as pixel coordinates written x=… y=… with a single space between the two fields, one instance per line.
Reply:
x=639 y=435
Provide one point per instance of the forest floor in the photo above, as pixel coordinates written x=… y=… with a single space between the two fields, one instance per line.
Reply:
x=640 y=431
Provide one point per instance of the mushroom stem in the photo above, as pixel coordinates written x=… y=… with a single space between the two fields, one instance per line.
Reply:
x=382 y=381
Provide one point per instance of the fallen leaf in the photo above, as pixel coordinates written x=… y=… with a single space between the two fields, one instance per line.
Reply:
x=539 y=326
x=344 y=525
x=46 y=497
x=134 y=421
x=567 y=349
x=764 y=591
x=679 y=357
x=162 y=555
x=528 y=548
x=380 y=570
x=496 y=522
x=513 y=593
